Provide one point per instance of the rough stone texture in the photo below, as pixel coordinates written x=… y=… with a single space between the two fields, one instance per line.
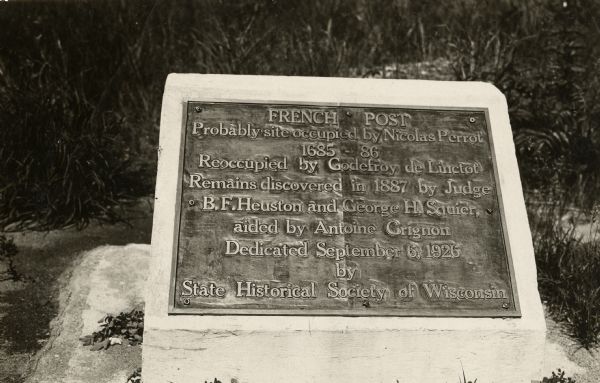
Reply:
x=109 y=279
x=45 y=261
x=306 y=349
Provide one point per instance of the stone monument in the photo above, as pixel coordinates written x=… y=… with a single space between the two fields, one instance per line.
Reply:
x=339 y=230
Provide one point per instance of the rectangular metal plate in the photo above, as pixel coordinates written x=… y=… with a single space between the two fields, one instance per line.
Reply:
x=350 y=210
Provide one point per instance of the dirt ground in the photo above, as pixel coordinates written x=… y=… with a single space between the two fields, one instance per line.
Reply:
x=27 y=307
x=563 y=352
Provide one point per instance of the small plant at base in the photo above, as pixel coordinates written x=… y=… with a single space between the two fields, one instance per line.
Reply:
x=125 y=326
x=464 y=377
x=558 y=378
x=136 y=376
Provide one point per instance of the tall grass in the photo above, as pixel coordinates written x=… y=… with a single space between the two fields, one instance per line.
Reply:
x=568 y=277
x=71 y=139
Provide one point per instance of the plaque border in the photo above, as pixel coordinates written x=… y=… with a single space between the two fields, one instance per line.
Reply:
x=358 y=312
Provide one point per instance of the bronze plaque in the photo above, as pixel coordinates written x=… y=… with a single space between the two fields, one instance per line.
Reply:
x=349 y=210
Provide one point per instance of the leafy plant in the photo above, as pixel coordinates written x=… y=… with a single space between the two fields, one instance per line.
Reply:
x=125 y=326
x=136 y=376
x=558 y=378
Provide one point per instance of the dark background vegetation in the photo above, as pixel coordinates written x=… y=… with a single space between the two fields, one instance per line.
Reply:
x=81 y=85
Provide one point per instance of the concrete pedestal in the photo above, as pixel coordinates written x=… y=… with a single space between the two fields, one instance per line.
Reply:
x=193 y=348
x=404 y=352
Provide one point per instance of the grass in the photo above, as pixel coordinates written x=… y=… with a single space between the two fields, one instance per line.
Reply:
x=463 y=379
x=568 y=270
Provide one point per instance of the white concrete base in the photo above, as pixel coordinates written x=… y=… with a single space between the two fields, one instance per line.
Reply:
x=193 y=348
x=383 y=356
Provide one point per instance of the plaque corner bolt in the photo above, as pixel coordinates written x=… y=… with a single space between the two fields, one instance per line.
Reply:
x=472 y=119
x=505 y=306
x=198 y=109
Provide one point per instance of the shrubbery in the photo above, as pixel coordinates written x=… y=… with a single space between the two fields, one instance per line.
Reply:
x=558 y=378
x=60 y=167
x=72 y=147
x=126 y=326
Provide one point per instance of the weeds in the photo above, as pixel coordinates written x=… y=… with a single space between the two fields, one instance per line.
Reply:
x=114 y=329
x=69 y=153
x=558 y=378
x=464 y=377
x=136 y=376
x=568 y=270
x=574 y=293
